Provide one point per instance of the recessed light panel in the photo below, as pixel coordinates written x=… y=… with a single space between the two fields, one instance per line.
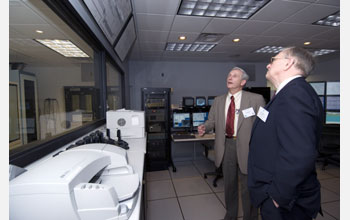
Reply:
x=331 y=20
x=63 y=47
x=242 y=9
x=322 y=52
x=195 y=47
x=269 y=49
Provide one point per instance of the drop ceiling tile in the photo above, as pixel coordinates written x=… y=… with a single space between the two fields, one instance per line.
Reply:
x=311 y=14
x=289 y=41
x=243 y=39
x=329 y=35
x=190 y=37
x=254 y=27
x=278 y=10
x=329 y=2
x=154 y=22
x=28 y=31
x=153 y=36
x=168 y=7
x=189 y=23
x=223 y=25
x=150 y=46
x=262 y=40
x=294 y=30
x=24 y=15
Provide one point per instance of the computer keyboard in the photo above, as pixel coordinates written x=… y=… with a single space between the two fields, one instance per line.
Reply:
x=183 y=136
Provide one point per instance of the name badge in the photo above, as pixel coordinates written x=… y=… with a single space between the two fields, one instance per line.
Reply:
x=248 y=112
x=262 y=114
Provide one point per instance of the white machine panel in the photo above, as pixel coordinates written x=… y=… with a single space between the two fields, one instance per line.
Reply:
x=88 y=182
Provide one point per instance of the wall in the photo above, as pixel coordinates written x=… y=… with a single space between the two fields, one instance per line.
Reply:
x=186 y=78
x=326 y=71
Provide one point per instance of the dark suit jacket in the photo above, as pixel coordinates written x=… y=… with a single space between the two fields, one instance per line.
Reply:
x=283 y=150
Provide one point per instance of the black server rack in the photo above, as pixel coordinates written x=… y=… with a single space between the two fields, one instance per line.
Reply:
x=156 y=104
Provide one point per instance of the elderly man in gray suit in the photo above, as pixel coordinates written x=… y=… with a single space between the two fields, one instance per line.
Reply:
x=232 y=116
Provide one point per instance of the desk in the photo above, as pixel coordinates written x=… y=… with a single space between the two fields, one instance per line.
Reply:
x=198 y=138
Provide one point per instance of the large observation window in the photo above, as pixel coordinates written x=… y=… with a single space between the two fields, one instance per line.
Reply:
x=52 y=90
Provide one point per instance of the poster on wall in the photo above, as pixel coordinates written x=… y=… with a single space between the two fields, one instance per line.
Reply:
x=110 y=15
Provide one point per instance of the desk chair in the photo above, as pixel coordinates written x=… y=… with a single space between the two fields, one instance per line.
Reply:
x=209 y=154
x=329 y=149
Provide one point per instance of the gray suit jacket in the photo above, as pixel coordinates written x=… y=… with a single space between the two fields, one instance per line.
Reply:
x=216 y=119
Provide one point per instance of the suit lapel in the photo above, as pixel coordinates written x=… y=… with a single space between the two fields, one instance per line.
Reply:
x=222 y=110
x=244 y=105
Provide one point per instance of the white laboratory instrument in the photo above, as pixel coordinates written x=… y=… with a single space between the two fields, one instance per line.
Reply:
x=89 y=182
x=130 y=123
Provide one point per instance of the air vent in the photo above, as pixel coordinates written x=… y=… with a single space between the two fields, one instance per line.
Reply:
x=209 y=38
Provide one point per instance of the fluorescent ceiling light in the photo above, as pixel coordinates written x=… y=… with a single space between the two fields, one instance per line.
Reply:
x=322 y=52
x=221 y=8
x=331 y=20
x=269 y=49
x=195 y=47
x=63 y=47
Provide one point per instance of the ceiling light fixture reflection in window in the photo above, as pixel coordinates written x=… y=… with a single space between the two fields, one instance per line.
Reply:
x=63 y=47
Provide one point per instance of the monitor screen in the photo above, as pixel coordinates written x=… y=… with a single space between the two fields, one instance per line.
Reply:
x=333 y=103
x=332 y=118
x=181 y=120
x=200 y=101
x=211 y=100
x=318 y=87
x=333 y=88
x=188 y=101
x=199 y=118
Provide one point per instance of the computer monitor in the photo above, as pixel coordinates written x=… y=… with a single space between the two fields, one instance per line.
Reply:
x=181 y=120
x=187 y=101
x=333 y=103
x=201 y=101
x=199 y=118
x=210 y=100
x=332 y=118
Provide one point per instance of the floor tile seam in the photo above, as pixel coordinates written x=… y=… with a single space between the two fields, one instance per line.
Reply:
x=150 y=181
x=200 y=194
x=184 y=178
x=177 y=198
x=335 y=218
x=333 y=191
x=151 y=200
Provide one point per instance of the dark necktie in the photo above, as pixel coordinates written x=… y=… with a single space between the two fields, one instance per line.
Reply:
x=230 y=119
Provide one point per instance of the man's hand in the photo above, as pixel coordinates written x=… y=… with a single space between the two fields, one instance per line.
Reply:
x=201 y=130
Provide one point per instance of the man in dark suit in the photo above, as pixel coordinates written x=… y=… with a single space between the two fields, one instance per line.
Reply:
x=232 y=115
x=282 y=176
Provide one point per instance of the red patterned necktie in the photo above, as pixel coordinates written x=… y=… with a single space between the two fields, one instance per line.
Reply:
x=230 y=119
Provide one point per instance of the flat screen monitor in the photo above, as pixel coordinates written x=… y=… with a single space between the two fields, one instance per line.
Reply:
x=199 y=118
x=211 y=100
x=187 y=101
x=333 y=103
x=318 y=87
x=332 y=118
x=201 y=101
x=181 y=120
x=333 y=88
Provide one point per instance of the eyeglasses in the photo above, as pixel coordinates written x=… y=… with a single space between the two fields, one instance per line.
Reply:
x=275 y=58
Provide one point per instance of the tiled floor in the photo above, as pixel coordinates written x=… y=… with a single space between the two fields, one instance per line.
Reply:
x=186 y=195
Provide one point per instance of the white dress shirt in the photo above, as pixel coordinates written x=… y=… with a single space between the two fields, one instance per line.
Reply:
x=238 y=97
